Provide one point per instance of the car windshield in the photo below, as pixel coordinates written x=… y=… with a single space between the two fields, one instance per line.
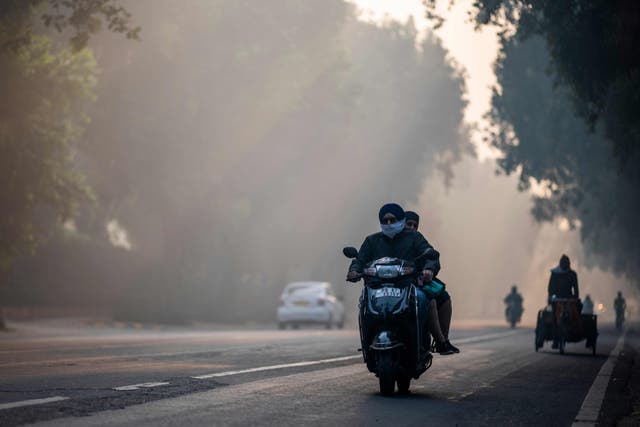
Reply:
x=305 y=288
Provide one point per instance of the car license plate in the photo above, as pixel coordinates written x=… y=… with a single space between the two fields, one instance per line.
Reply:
x=301 y=303
x=388 y=292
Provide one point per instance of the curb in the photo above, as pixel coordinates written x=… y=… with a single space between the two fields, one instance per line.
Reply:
x=590 y=409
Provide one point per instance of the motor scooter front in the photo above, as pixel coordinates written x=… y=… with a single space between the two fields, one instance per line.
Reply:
x=388 y=320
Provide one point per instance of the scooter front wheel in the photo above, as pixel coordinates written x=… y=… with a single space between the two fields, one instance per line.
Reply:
x=386 y=373
x=404 y=382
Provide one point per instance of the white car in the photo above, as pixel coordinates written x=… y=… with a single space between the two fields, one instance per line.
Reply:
x=310 y=302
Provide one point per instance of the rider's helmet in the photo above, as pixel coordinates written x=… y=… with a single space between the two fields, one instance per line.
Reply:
x=565 y=262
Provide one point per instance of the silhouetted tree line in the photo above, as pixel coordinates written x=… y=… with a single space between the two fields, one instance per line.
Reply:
x=238 y=146
x=46 y=78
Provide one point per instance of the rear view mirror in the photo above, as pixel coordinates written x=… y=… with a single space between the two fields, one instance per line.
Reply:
x=350 y=252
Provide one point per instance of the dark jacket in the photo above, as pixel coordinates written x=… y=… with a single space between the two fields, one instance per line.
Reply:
x=408 y=244
x=563 y=284
x=513 y=298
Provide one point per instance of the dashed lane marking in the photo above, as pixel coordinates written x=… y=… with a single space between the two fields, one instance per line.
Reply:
x=337 y=359
x=139 y=386
x=588 y=415
x=31 y=402
x=272 y=367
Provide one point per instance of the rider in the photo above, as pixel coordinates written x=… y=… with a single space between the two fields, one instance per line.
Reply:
x=619 y=304
x=440 y=306
x=587 y=305
x=513 y=299
x=563 y=283
x=396 y=242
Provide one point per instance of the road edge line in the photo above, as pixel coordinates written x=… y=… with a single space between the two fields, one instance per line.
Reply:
x=590 y=409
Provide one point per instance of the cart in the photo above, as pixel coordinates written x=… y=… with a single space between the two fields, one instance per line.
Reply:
x=571 y=325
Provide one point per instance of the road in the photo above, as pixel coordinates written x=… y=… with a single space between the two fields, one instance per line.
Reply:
x=269 y=377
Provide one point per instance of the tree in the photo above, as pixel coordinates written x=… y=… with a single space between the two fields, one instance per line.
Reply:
x=594 y=47
x=565 y=114
x=40 y=120
x=541 y=139
x=244 y=141
x=45 y=89
x=20 y=20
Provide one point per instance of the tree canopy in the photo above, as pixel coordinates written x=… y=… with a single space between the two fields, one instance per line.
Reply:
x=564 y=113
x=541 y=138
x=594 y=50
x=241 y=143
x=44 y=94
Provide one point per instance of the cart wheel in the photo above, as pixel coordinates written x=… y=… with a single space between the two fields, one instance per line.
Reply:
x=539 y=336
x=538 y=343
x=593 y=347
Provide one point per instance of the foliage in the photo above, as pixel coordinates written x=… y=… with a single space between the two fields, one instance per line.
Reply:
x=542 y=139
x=44 y=94
x=45 y=89
x=589 y=51
x=594 y=47
x=243 y=142
x=83 y=18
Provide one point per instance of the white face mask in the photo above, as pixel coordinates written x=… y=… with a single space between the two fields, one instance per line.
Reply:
x=391 y=230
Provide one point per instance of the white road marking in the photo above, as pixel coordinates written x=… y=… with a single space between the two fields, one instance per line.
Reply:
x=32 y=402
x=139 y=386
x=272 y=367
x=588 y=415
x=338 y=359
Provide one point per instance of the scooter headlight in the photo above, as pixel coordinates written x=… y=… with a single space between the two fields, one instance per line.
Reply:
x=370 y=271
x=405 y=271
x=388 y=271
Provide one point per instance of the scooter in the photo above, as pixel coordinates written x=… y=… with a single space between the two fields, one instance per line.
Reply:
x=513 y=314
x=388 y=320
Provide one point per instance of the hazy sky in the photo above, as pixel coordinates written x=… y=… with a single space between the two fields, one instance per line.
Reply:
x=475 y=51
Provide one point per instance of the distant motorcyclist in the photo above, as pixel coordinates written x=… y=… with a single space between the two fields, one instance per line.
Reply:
x=513 y=311
x=396 y=242
x=620 y=305
x=440 y=305
x=563 y=283
x=587 y=305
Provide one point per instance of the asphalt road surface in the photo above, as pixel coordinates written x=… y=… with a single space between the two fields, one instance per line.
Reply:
x=270 y=377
